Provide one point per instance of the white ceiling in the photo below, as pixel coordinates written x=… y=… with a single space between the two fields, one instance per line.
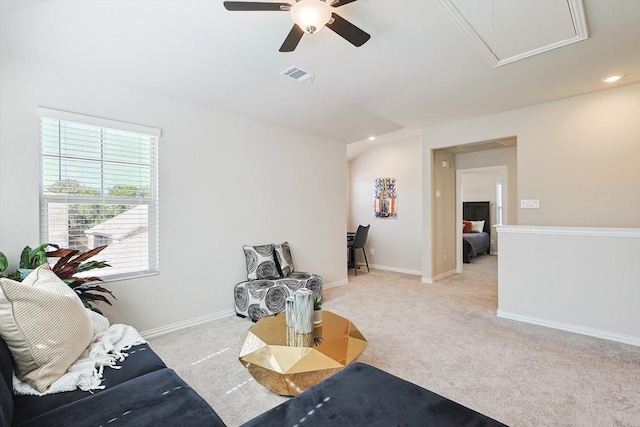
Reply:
x=418 y=69
x=505 y=31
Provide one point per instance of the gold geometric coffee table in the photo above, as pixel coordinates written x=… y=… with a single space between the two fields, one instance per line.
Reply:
x=289 y=363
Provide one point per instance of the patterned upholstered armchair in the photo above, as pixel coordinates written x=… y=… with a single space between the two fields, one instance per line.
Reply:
x=271 y=278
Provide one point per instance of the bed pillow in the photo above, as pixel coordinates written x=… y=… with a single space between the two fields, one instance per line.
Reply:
x=466 y=226
x=284 y=259
x=261 y=263
x=477 y=226
x=45 y=326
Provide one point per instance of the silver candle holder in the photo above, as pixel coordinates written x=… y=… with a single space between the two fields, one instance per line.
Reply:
x=289 y=310
x=303 y=311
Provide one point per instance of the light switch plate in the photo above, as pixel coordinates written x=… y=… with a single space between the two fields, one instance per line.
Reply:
x=530 y=204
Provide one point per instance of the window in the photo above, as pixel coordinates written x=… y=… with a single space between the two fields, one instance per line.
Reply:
x=498 y=203
x=99 y=186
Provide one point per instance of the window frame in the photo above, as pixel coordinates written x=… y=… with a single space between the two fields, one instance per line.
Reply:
x=152 y=201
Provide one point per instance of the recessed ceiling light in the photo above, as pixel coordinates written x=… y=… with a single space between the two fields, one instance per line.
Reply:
x=372 y=138
x=612 y=79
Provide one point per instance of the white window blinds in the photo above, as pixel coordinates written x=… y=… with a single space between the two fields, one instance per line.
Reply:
x=99 y=186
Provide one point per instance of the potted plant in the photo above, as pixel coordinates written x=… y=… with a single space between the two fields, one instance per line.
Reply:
x=72 y=262
x=29 y=259
x=317 y=310
x=69 y=263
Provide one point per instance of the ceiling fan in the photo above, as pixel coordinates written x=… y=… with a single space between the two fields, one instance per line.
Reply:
x=309 y=16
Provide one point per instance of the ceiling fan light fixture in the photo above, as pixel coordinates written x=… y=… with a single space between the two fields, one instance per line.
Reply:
x=311 y=15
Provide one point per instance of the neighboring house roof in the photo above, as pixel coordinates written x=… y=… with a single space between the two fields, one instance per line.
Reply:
x=123 y=225
x=128 y=255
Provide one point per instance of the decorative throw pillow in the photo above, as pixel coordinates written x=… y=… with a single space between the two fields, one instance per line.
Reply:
x=477 y=226
x=261 y=263
x=467 y=226
x=284 y=259
x=45 y=326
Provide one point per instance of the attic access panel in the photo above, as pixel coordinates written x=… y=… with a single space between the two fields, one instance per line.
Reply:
x=506 y=31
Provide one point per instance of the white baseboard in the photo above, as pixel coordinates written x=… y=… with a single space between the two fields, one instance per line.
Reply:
x=340 y=282
x=395 y=269
x=432 y=280
x=156 y=332
x=592 y=332
x=443 y=275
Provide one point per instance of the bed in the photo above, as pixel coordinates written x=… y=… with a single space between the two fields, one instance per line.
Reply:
x=476 y=243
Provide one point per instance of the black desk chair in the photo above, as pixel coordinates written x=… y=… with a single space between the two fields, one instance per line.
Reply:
x=358 y=242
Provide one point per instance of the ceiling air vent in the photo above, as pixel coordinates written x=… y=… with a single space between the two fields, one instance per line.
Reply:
x=297 y=74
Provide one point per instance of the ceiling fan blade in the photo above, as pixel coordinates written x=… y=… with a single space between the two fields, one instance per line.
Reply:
x=348 y=31
x=342 y=3
x=254 y=5
x=292 y=39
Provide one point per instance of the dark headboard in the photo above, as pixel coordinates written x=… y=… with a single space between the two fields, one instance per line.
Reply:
x=478 y=211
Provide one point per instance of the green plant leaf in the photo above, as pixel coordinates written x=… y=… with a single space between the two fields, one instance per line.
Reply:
x=15 y=276
x=39 y=255
x=90 y=265
x=33 y=258
x=24 y=257
x=4 y=263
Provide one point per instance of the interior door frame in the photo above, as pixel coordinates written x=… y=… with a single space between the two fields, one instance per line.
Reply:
x=459 y=190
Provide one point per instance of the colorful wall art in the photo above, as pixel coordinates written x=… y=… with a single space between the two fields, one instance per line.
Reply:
x=385 y=197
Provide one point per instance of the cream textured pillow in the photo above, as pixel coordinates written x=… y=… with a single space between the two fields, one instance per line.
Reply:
x=45 y=325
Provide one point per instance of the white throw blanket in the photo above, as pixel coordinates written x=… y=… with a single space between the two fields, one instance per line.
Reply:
x=109 y=346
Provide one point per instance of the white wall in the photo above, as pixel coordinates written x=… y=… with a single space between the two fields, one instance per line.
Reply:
x=480 y=186
x=583 y=280
x=578 y=156
x=224 y=182
x=397 y=242
x=500 y=157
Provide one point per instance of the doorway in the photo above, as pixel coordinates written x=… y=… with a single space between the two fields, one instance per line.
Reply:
x=481 y=184
x=446 y=206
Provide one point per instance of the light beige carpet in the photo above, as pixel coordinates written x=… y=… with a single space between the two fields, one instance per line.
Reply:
x=444 y=337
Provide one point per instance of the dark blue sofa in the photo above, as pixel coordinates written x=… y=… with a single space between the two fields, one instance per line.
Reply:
x=363 y=396
x=144 y=392
x=147 y=393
